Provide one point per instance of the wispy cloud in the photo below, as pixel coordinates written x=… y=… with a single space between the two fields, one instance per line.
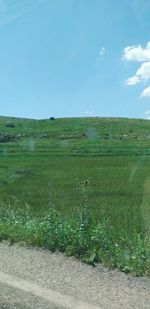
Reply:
x=11 y=13
x=102 y=51
x=89 y=113
x=139 y=54
x=132 y=80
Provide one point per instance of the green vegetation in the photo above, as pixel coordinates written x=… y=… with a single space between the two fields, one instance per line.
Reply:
x=78 y=185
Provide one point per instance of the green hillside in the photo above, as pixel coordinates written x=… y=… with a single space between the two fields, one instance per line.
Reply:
x=43 y=163
x=40 y=159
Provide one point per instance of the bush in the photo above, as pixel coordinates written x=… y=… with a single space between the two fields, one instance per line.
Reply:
x=5 y=137
x=10 y=125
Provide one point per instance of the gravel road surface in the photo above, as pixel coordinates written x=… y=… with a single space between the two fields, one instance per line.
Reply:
x=35 y=278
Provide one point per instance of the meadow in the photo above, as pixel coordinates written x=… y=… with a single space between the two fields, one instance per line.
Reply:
x=78 y=185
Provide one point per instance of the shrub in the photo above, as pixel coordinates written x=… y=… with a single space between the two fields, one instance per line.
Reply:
x=10 y=125
x=5 y=137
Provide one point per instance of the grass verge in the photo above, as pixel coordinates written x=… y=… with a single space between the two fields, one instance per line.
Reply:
x=76 y=236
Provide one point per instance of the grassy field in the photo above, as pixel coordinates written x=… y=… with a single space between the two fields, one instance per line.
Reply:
x=86 y=178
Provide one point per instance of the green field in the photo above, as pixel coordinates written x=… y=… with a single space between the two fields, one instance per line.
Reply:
x=100 y=166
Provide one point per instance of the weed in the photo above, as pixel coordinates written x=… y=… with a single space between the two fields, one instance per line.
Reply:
x=75 y=236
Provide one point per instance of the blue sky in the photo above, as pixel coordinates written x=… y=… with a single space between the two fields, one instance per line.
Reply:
x=73 y=58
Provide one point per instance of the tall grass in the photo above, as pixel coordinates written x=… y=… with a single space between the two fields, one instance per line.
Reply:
x=78 y=235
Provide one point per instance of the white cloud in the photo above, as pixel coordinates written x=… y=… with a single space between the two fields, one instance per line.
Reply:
x=142 y=74
x=88 y=112
x=137 y=53
x=102 y=51
x=132 y=80
x=146 y=92
x=144 y=71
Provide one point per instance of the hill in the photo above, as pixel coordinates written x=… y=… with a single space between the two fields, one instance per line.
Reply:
x=51 y=154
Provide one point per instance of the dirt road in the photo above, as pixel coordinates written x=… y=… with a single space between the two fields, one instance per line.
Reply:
x=32 y=278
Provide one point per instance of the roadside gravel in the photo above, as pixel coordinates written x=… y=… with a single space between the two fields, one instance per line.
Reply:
x=11 y=298
x=98 y=286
